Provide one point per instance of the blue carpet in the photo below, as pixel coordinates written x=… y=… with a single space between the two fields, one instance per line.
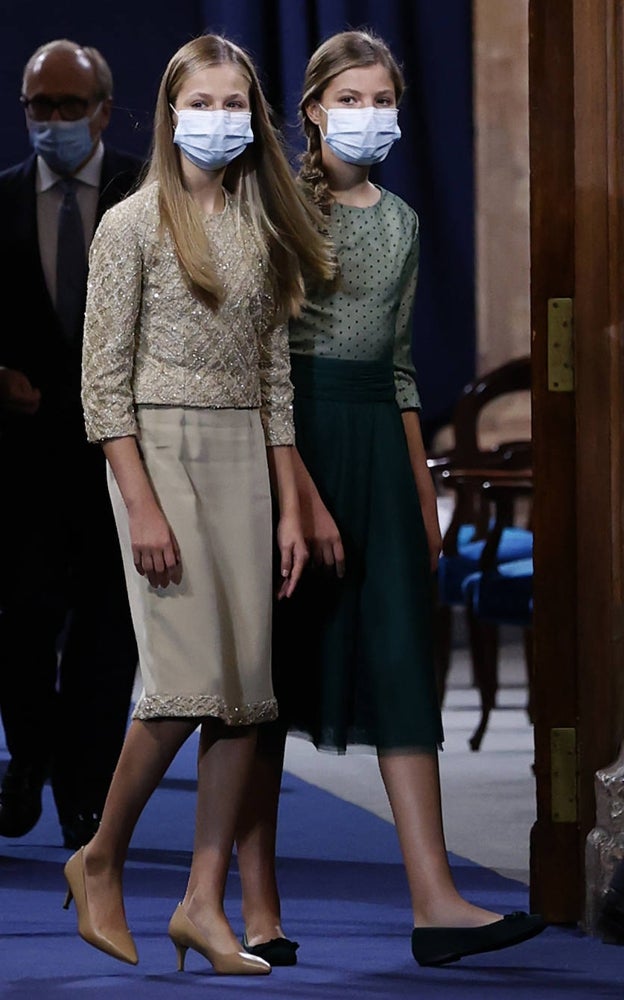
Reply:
x=344 y=899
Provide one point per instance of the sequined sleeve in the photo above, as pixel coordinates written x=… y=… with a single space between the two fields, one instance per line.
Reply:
x=276 y=389
x=404 y=372
x=112 y=309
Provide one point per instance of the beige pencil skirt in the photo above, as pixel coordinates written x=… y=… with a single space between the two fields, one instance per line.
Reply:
x=205 y=643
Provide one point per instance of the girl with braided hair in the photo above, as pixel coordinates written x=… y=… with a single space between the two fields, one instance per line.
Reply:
x=353 y=650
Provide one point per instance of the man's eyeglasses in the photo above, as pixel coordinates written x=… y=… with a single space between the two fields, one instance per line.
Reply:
x=41 y=109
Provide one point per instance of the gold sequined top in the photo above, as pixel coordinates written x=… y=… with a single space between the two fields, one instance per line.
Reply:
x=147 y=338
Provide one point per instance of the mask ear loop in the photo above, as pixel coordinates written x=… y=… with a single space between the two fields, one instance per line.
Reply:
x=318 y=124
x=174 y=125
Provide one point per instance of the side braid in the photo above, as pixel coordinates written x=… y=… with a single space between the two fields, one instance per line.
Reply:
x=311 y=173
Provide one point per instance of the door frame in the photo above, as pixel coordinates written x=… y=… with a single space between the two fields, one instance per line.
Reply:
x=576 y=127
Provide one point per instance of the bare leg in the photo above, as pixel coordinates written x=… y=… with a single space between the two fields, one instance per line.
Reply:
x=412 y=783
x=256 y=837
x=225 y=758
x=148 y=749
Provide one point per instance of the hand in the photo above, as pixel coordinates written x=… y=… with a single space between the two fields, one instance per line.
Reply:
x=155 y=549
x=322 y=537
x=424 y=485
x=17 y=395
x=434 y=539
x=294 y=553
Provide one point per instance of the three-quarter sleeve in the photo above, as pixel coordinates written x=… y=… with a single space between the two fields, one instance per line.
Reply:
x=276 y=390
x=404 y=372
x=112 y=309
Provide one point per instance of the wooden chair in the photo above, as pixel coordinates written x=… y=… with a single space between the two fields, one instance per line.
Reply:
x=467 y=451
x=500 y=591
x=478 y=534
x=502 y=596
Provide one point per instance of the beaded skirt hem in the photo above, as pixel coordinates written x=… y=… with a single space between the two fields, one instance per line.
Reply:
x=204 y=706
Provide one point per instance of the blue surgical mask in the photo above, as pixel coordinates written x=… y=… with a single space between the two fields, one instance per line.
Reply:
x=212 y=139
x=361 y=135
x=63 y=145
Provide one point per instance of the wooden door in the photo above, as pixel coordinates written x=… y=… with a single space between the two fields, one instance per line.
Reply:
x=576 y=72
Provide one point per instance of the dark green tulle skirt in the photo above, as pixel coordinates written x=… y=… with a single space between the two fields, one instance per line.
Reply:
x=353 y=658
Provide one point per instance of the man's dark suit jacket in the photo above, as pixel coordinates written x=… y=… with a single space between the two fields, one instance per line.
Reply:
x=45 y=456
x=61 y=560
x=33 y=342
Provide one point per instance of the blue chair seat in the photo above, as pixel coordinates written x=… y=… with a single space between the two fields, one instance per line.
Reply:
x=503 y=595
x=515 y=544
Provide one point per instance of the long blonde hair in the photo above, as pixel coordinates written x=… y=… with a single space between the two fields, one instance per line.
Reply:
x=345 y=50
x=260 y=180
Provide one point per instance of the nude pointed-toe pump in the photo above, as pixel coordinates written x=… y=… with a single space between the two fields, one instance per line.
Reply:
x=117 y=942
x=185 y=935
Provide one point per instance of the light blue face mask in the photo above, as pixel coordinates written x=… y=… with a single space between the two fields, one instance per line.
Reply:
x=361 y=135
x=212 y=139
x=63 y=145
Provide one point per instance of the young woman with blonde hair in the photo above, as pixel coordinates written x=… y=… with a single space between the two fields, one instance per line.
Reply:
x=186 y=386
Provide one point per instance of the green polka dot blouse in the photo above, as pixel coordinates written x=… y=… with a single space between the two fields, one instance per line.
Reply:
x=369 y=317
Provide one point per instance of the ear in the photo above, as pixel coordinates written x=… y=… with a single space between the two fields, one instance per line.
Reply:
x=313 y=111
x=105 y=112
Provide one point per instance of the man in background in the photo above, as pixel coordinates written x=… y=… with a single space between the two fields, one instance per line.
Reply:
x=67 y=649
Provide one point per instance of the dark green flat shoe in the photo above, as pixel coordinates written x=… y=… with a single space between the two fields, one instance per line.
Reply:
x=440 y=945
x=277 y=951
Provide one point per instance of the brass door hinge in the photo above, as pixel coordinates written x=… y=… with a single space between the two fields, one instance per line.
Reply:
x=561 y=345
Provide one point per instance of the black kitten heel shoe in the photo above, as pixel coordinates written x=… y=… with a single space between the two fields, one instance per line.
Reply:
x=277 y=951
x=440 y=945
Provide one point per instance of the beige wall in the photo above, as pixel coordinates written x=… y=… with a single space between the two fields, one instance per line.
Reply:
x=502 y=197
